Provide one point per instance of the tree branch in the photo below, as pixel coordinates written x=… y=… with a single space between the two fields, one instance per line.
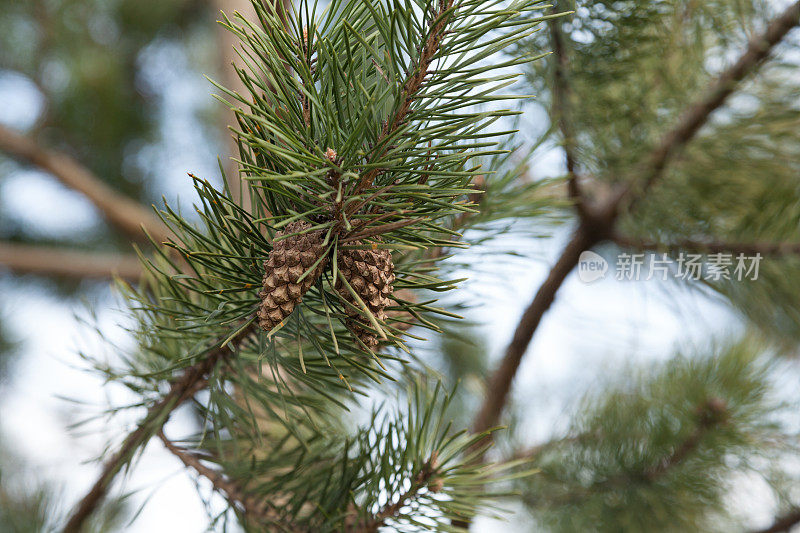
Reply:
x=424 y=478
x=127 y=215
x=697 y=115
x=784 y=523
x=599 y=223
x=499 y=384
x=775 y=249
x=192 y=380
x=59 y=262
x=411 y=86
x=712 y=413
x=561 y=95
x=253 y=508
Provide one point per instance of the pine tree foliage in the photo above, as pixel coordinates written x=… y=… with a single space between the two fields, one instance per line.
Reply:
x=658 y=453
x=361 y=131
x=405 y=469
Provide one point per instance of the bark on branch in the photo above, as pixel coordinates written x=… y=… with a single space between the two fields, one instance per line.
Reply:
x=412 y=85
x=125 y=214
x=499 y=385
x=59 y=262
x=696 y=115
x=424 y=478
x=561 y=95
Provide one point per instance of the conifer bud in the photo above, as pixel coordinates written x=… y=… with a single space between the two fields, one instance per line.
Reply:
x=288 y=261
x=331 y=155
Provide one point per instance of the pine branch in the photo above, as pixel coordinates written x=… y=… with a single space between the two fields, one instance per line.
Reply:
x=127 y=215
x=562 y=92
x=254 y=510
x=392 y=509
x=598 y=225
x=697 y=115
x=711 y=414
x=499 y=385
x=774 y=249
x=192 y=380
x=59 y=262
x=783 y=524
x=411 y=86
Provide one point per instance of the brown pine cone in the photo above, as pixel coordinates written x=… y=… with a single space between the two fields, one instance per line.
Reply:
x=289 y=259
x=371 y=274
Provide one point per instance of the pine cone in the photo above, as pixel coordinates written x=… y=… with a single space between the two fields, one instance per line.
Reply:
x=371 y=274
x=289 y=259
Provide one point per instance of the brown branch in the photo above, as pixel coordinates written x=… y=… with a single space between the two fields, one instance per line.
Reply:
x=59 y=262
x=711 y=414
x=599 y=223
x=254 y=509
x=380 y=230
x=192 y=380
x=697 y=115
x=562 y=92
x=127 y=215
x=783 y=524
x=426 y=477
x=775 y=249
x=499 y=385
x=411 y=86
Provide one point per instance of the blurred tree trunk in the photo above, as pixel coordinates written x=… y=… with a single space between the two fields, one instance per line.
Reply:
x=228 y=57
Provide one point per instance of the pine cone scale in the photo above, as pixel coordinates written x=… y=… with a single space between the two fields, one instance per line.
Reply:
x=290 y=258
x=370 y=273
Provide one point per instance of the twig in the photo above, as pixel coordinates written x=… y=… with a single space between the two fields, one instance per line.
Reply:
x=783 y=524
x=192 y=380
x=499 y=384
x=713 y=413
x=127 y=215
x=253 y=508
x=599 y=223
x=391 y=509
x=562 y=93
x=59 y=262
x=697 y=114
x=412 y=85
